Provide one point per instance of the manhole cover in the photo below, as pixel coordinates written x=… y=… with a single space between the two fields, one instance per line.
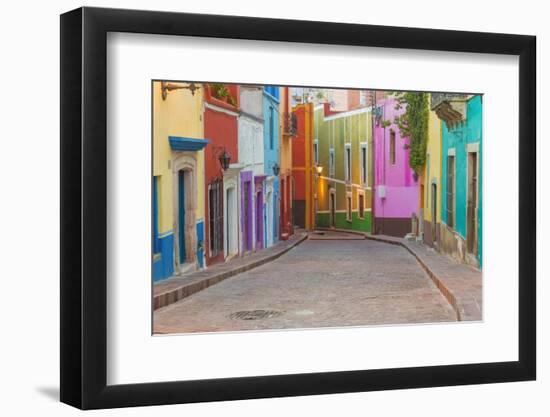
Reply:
x=255 y=314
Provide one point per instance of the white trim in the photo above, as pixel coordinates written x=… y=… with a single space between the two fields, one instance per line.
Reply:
x=339 y=211
x=347 y=163
x=347 y=113
x=359 y=194
x=349 y=206
x=220 y=109
x=345 y=183
x=365 y=169
x=451 y=152
x=472 y=147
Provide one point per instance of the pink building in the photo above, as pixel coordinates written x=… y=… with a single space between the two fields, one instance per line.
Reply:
x=396 y=188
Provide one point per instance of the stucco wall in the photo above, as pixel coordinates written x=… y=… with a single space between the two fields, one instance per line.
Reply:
x=401 y=190
x=458 y=139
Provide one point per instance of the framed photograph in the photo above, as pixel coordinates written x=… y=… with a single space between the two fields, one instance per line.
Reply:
x=257 y=208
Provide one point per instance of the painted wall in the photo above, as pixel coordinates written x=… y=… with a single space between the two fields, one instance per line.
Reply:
x=303 y=168
x=220 y=128
x=334 y=131
x=394 y=179
x=285 y=158
x=271 y=156
x=179 y=115
x=432 y=169
x=459 y=139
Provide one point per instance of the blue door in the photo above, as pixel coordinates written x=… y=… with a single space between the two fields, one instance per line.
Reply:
x=181 y=215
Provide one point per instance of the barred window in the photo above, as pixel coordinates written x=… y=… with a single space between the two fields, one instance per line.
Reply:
x=215 y=197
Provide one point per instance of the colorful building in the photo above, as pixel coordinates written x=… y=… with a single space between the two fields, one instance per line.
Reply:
x=342 y=151
x=396 y=188
x=430 y=186
x=287 y=130
x=251 y=161
x=303 y=168
x=221 y=111
x=178 y=179
x=461 y=206
x=271 y=164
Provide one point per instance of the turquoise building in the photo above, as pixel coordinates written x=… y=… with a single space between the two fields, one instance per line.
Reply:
x=461 y=205
x=271 y=164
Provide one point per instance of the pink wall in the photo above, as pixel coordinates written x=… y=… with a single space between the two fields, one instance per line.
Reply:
x=401 y=189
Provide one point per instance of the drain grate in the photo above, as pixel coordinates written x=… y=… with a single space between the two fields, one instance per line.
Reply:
x=254 y=314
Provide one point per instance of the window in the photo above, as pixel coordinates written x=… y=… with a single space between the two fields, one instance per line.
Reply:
x=348 y=207
x=392 y=147
x=364 y=163
x=331 y=161
x=316 y=151
x=361 y=206
x=450 y=191
x=271 y=133
x=156 y=240
x=215 y=197
x=347 y=162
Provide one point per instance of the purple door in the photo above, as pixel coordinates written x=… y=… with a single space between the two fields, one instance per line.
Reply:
x=259 y=220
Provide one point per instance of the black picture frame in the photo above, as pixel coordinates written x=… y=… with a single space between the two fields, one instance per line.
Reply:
x=84 y=207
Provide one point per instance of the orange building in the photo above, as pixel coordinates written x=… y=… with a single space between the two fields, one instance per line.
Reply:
x=303 y=168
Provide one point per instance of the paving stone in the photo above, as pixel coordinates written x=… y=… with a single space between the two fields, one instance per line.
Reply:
x=319 y=283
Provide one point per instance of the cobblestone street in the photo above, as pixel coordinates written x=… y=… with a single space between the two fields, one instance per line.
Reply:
x=319 y=283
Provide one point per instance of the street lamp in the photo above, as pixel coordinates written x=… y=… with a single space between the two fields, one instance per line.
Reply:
x=225 y=158
x=166 y=87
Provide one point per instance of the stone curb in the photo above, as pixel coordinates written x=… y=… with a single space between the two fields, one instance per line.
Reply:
x=463 y=309
x=186 y=289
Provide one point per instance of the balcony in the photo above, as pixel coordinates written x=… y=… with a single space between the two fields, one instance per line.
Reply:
x=290 y=124
x=449 y=107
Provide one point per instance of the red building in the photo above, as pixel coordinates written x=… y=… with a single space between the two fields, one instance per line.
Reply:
x=221 y=106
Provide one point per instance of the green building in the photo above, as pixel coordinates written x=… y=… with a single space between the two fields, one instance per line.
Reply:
x=342 y=152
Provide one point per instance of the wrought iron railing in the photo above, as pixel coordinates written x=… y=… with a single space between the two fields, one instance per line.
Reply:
x=290 y=124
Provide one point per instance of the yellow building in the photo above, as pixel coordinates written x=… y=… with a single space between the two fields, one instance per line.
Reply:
x=178 y=178
x=430 y=184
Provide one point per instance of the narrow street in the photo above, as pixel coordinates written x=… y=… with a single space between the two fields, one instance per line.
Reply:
x=319 y=283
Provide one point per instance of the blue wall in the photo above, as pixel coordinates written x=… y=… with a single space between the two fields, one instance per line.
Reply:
x=458 y=138
x=271 y=153
x=200 y=244
x=163 y=261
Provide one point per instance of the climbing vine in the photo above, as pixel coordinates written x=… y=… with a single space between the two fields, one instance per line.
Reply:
x=413 y=123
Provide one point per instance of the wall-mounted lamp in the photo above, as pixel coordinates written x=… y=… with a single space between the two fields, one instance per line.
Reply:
x=166 y=87
x=276 y=169
x=224 y=157
x=319 y=169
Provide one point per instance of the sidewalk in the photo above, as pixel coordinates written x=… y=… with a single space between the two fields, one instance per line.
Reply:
x=460 y=284
x=174 y=289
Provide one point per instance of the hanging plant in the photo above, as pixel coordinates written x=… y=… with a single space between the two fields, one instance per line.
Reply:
x=413 y=123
